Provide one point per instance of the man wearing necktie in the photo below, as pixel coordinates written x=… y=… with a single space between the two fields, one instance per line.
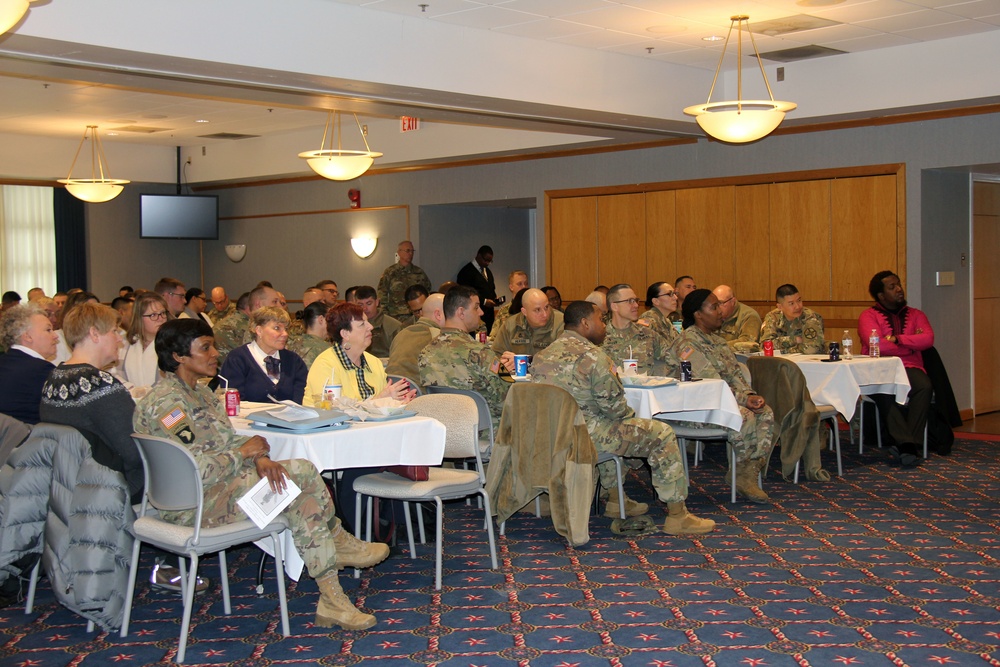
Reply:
x=477 y=275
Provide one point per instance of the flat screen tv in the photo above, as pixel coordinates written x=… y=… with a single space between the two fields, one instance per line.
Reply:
x=179 y=217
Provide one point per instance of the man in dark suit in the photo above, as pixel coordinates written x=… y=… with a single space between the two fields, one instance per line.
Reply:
x=28 y=336
x=477 y=275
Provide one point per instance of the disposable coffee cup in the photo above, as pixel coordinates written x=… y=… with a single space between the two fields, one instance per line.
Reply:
x=520 y=365
x=630 y=366
x=331 y=392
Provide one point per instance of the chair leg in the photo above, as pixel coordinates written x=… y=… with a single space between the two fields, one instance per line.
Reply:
x=279 y=572
x=925 y=440
x=489 y=529
x=731 y=455
x=260 y=573
x=188 y=607
x=29 y=602
x=224 y=578
x=409 y=530
x=437 y=542
x=130 y=590
x=621 y=487
x=90 y=627
x=420 y=523
x=836 y=443
x=861 y=429
x=795 y=479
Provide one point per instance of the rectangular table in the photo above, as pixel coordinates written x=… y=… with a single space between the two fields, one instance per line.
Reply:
x=841 y=383
x=708 y=401
x=409 y=441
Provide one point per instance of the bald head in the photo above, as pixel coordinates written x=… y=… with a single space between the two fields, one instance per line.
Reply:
x=434 y=308
x=311 y=295
x=727 y=300
x=599 y=299
x=536 y=308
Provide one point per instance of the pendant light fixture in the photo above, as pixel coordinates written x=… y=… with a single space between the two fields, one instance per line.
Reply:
x=338 y=164
x=739 y=121
x=100 y=187
x=11 y=12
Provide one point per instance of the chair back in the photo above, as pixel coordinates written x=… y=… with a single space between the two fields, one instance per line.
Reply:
x=483 y=408
x=458 y=414
x=413 y=383
x=173 y=481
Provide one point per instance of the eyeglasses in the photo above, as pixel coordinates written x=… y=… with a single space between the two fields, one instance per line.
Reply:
x=161 y=315
x=175 y=294
x=722 y=303
x=658 y=296
x=632 y=302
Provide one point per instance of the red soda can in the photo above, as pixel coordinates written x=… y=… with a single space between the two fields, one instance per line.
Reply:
x=482 y=337
x=768 y=348
x=233 y=402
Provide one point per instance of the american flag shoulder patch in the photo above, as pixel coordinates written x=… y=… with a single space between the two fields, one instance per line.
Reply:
x=172 y=418
x=495 y=366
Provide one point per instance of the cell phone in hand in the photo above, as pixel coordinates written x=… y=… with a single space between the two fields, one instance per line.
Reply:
x=501 y=300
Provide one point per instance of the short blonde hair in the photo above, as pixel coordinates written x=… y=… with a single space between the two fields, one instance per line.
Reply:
x=15 y=321
x=82 y=318
x=264 y=316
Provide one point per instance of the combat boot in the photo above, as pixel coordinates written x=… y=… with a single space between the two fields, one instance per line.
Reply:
x=632 y=508
x=352 y=552
x=335 y=608
x=746 y=482
x=681 y=522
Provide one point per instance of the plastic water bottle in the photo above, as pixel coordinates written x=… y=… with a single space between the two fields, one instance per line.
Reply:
x=873 y=344
x=845 y=345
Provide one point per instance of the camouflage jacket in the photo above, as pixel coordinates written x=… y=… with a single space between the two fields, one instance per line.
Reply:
x=231 y=333
x=453 y=359
x=584 y=370
x=803 y=334
x=219 y=315
x=197 y=419
x=519 y=337
x=308 y=347
x=384 y=329
x=742 y=330
x=650 y=349
x=500 y=317
x=660 y=324
x=392 y=288
x=711 y=357
x=407 y=346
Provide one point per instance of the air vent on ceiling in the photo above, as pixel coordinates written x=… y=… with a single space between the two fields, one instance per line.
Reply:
x=139 y=129
x=790 y=24
x=801 y=53
x=232 y=136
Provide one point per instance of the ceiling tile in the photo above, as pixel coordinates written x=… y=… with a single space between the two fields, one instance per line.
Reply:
x=974 y=10
x=555 y=8
x=865 y=11
x=876 y=41
x=921 y=19
x=545 y=29
x=948 y=30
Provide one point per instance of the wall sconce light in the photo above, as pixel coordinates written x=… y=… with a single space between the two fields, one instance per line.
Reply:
x=364 y=246
x=236 y=252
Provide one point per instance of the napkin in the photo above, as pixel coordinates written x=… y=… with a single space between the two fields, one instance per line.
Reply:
x=364 y=410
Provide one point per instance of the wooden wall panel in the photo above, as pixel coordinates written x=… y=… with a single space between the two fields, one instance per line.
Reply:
x=661 y=242
x=753 y=242
x=706 y=235
x=986 y=316
x=986 y=249
x=863 y=219
x=572 y=246
x=986 y=198
x=800 y=237
x=621 y=238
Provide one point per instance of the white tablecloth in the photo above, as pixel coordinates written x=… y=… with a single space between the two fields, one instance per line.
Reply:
x=840 y=383
x=410 y=441
x=707 y=401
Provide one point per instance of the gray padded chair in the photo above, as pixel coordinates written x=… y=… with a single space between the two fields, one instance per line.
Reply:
x=486 y=435
x=173 y=483
x=460 y=418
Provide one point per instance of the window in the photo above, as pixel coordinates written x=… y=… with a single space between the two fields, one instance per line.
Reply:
x=27 y=239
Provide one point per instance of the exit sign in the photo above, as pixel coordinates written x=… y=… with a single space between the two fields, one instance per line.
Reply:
x=408 y=124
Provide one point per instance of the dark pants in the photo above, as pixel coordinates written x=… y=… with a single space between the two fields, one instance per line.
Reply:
x=905 y=424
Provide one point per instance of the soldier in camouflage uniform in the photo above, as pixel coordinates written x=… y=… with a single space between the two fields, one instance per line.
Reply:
x=222 y=305
x=661 y=300
x=531 y=330
x=575 y=363
x=625 y=337
x=741 y=323
x=384 y=327
x=234 y=330
x=181 y=409
x=454 y=359
x=792 y=326
x=396 y=278
x=711 y=357
x=411 y=341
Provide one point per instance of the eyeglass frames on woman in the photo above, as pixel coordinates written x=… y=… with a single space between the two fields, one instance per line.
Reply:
x=161 y=315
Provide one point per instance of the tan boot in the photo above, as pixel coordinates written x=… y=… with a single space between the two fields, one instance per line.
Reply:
x=746 y=482
x=632 y=508
x=335 y=608
x=681 y=522
x=352 y=552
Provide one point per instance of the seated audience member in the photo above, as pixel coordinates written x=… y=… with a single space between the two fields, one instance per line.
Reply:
x=516 y=281
x=124 y=305
x=350 y=295
x=599 y=299
x=195 y=304
x=28 y=337
x=555 y=298
x=625 y=339
x=792 y=326
x=263 y=367
x=903 y=332
x=415 y=296
x=445 y=286
x=408 y=343
x=360 y=374
x=384 y=327
x=533 y=328
x=683 y=286
x=603 y=289
x=313 y=341
x=230 y=464
x=51 y=310
x=35 y=293
x=330 y=292
x=711 y=357
x=661 y=302
x=454 y=359
x=174 y=293
x=126 y=290
x=9 y=300
x=81 y=394
x=73 y=299
x=60 y=299
x=234 y=330
x=741 y=323
x=222 y=305
x=312 y=295
x=576 y=363
x=137 y=360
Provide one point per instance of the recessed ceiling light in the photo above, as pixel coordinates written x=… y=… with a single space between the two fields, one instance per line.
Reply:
x=111 y=134
x=201 y=120
x=712 y=38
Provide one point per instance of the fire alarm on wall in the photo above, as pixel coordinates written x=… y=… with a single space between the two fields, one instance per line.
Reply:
x=355 y=197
